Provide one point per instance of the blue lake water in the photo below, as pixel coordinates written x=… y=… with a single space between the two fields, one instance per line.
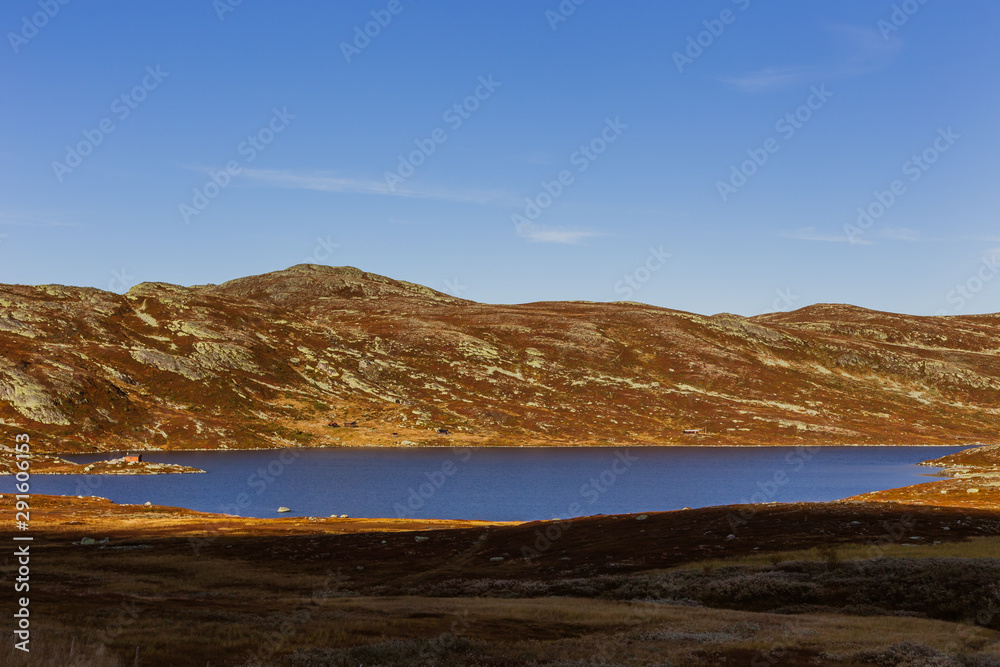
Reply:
x=510 y=483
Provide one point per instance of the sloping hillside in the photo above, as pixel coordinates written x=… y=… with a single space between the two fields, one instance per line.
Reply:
x=271 y=360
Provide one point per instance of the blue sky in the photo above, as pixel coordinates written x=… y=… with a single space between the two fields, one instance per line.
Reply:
x=558 y=151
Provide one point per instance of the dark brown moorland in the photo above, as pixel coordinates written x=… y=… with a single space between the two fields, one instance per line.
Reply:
x=844 y=583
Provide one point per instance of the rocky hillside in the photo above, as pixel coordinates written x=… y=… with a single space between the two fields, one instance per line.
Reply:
x=272 y=360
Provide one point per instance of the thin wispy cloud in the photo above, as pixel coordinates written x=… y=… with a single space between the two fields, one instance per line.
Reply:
x=325 y=181
x=33 y=220
x=811 y=234
x=899 y=234
x=772 y=77
x=541 y=234
x=536 y=158
x=890 y=233
x=865 y=50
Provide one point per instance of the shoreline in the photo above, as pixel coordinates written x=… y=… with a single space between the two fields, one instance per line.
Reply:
x=143 y=471
x=484 y=447
x=196 y=521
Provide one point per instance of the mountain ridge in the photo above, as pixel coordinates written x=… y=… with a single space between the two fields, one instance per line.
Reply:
x=272 y=360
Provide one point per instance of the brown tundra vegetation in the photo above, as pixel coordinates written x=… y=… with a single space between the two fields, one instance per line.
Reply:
x=903 y=577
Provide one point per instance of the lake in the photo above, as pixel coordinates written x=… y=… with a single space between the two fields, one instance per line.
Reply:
x=500 y=484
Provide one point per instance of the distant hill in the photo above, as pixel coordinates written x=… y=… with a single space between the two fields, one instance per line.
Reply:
x=271 y=360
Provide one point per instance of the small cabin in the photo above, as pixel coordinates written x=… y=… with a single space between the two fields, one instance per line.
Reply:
x=692 y=431
x=133 y=458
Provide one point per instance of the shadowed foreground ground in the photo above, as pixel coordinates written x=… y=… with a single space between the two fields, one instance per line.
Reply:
x=848 y=583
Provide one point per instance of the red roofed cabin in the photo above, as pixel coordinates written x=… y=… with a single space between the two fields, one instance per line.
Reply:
x=692 y=431
x=129 y=458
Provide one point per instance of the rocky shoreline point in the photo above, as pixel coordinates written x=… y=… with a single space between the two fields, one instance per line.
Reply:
x=982 y=462
x=49 y=464
x=973 y=480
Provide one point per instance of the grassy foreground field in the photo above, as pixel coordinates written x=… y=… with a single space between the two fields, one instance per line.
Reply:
x=847 y=583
